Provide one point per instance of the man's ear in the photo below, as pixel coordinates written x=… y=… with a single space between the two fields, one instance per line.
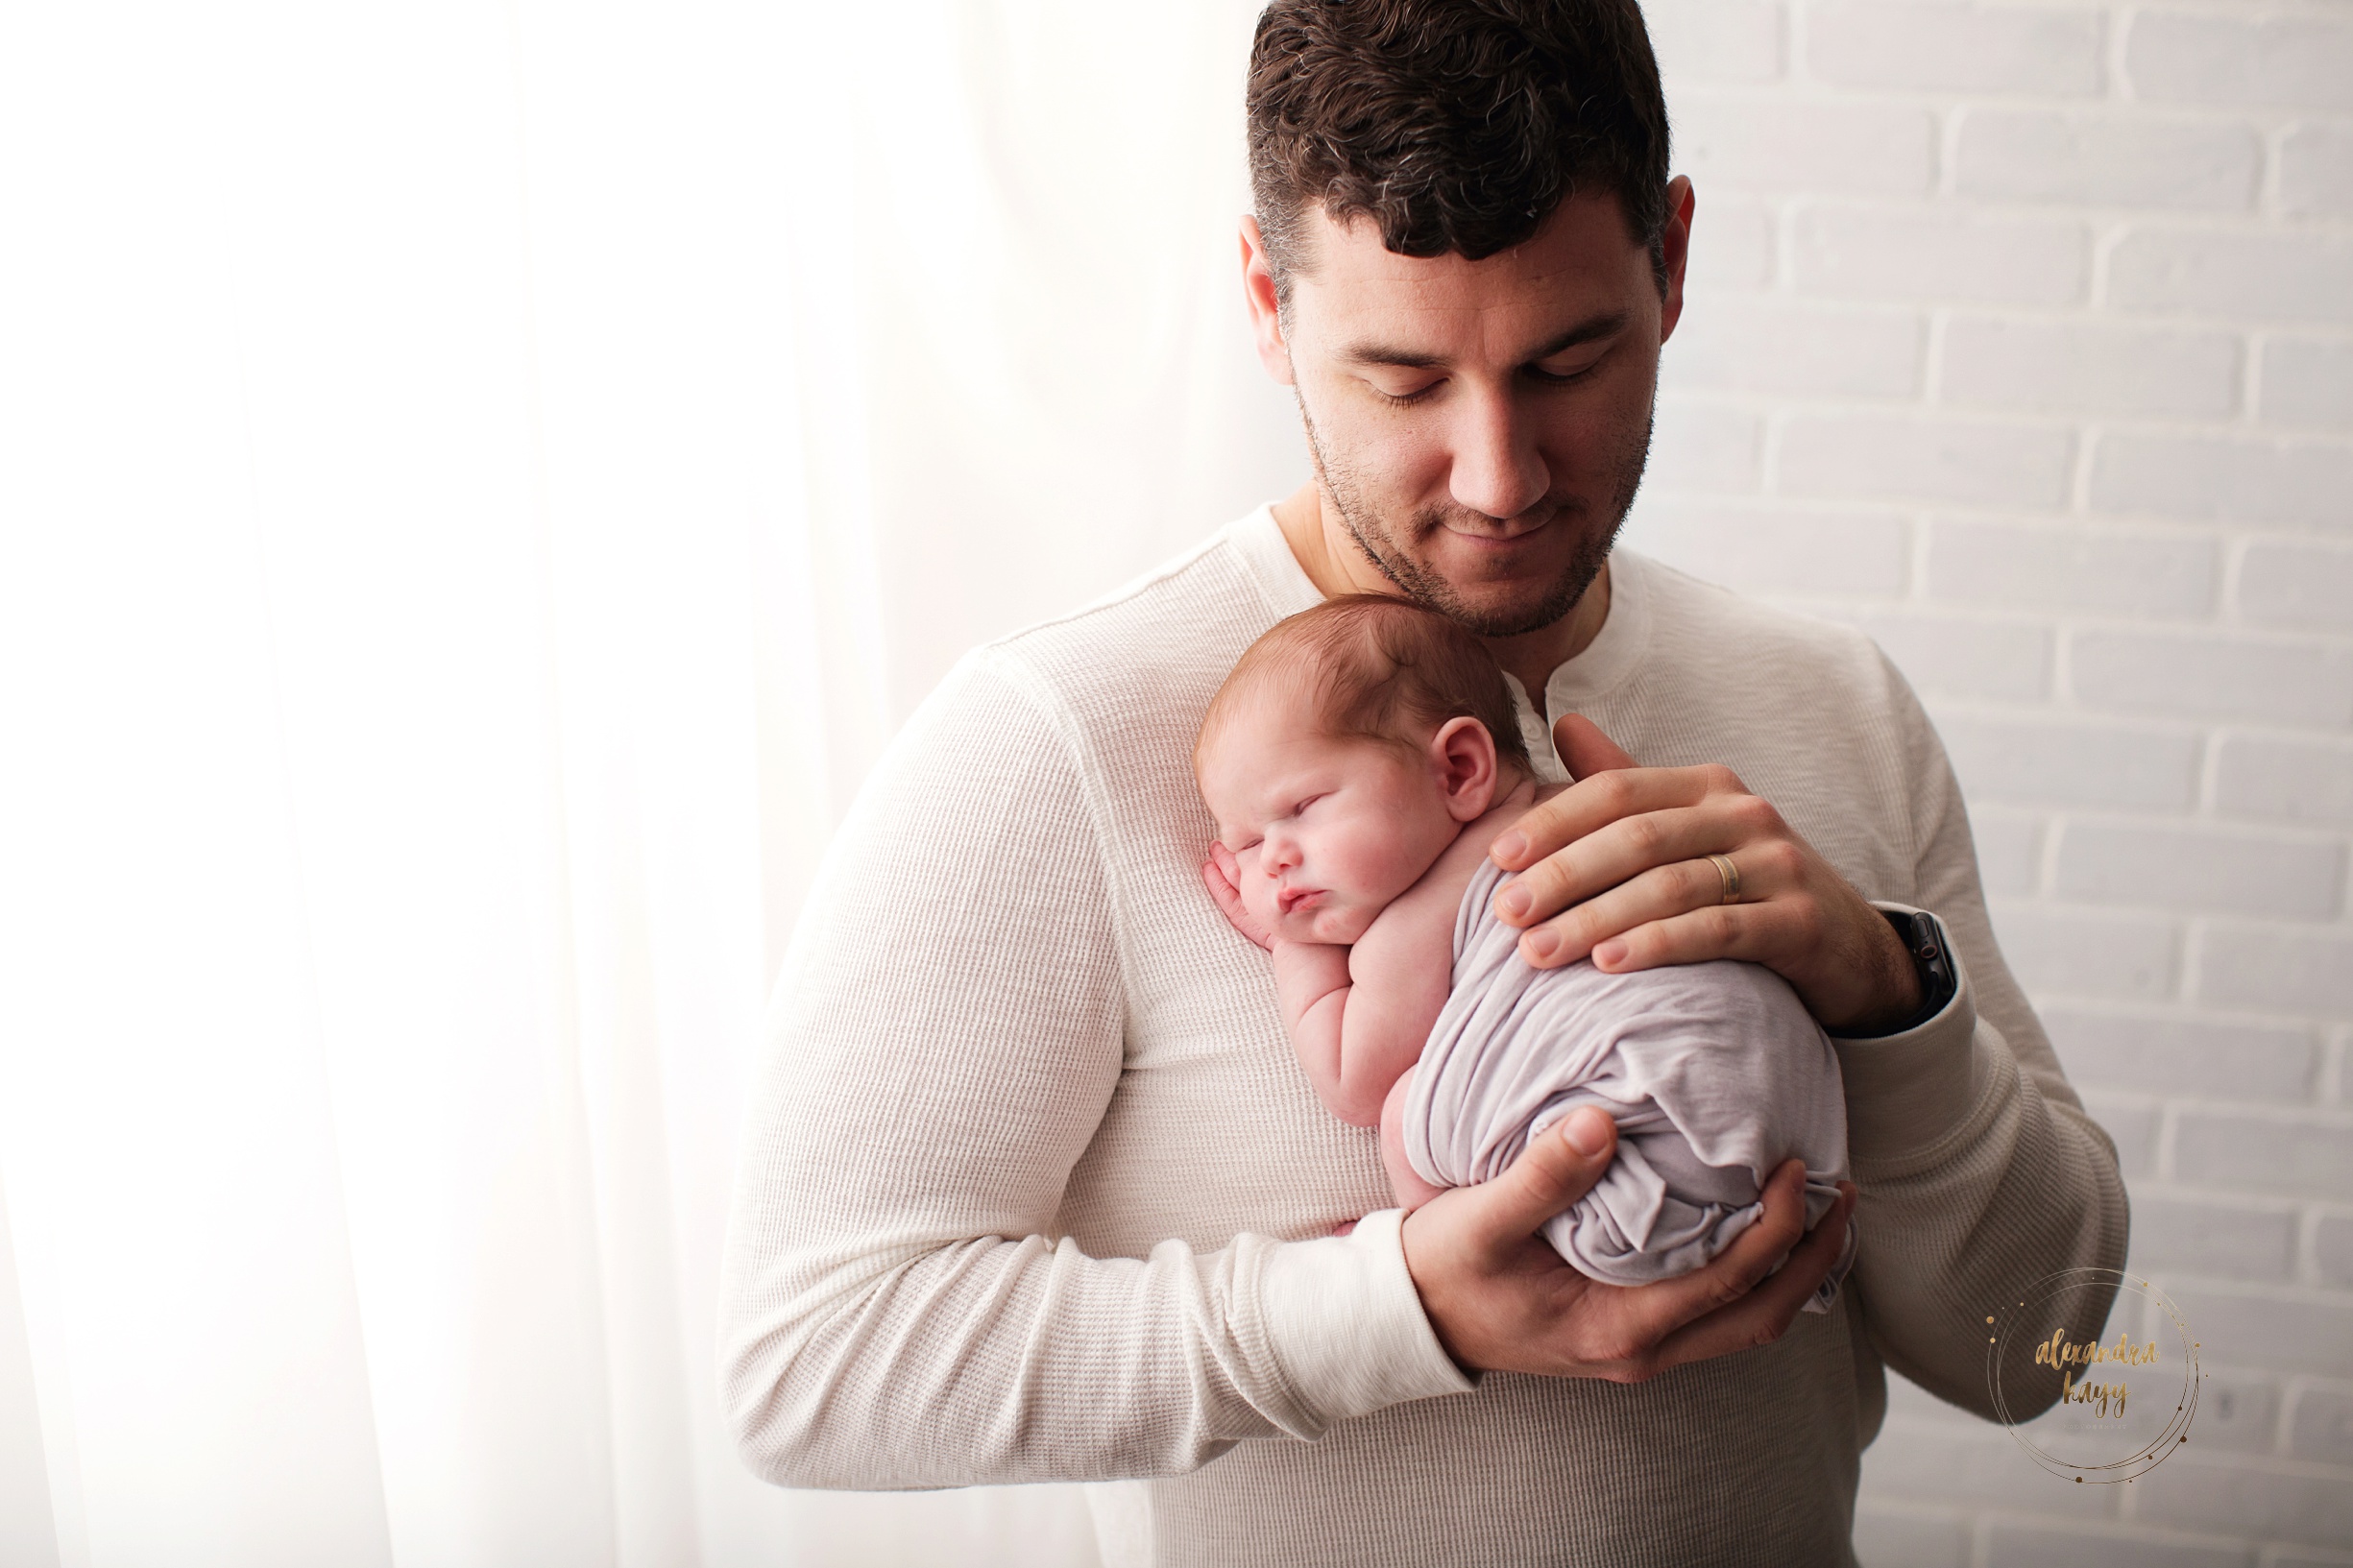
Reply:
x=1674 y=248
x=1462 y=756
x=1266 y=311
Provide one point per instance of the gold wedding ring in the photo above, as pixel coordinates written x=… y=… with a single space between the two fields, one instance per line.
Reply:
x=1731 y=873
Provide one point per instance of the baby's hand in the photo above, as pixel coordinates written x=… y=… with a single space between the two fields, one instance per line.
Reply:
x=1223 y=876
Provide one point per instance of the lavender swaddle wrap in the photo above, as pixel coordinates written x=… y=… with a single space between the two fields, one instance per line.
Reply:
x=1714 y=1073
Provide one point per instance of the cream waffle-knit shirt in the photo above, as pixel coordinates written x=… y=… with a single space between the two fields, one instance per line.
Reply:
x=1035 y=1188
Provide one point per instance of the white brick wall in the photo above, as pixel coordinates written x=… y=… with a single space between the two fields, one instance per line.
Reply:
x=2315 y=172
x=2020 y=335
x=2106 y=160
x=2075 y=367
x=2306 y=382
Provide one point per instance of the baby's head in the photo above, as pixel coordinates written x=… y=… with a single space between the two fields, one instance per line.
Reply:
x=1345 y=753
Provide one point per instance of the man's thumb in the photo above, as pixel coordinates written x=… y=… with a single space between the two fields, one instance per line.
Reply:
x=1552 y=1172
x=1583 y=749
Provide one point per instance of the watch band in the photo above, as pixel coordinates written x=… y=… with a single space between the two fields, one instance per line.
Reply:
x=1925 y=941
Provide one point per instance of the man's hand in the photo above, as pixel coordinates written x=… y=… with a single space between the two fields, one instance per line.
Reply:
x=1222 y=874
x=1501 y=1299
x=1624 y=853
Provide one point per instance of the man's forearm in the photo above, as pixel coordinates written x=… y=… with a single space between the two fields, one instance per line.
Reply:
x=1974 y=1186
x=992 y=1361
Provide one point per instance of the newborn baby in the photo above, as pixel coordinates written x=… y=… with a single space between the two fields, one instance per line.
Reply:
x=1358 y=762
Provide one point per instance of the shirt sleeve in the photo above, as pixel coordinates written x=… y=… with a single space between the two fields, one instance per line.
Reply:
x=1979 y=1172
x=897 y=1310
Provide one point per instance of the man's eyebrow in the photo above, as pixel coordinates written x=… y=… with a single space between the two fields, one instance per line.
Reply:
x=1585 y=331
x=1376 y=354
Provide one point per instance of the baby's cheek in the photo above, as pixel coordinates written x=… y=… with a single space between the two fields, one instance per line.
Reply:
x=1392 y=864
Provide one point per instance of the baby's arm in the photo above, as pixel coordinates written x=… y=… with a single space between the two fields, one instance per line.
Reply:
x=1314 y=987
x=1360 y=1016
x=1353 y=1053
x=1312 y=984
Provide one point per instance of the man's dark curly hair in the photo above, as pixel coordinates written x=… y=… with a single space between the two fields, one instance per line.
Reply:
x=1456 y=125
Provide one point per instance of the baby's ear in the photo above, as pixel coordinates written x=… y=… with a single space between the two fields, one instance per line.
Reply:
x=1462 y=756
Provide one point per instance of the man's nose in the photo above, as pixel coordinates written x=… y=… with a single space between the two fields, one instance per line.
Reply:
x=1497 y=470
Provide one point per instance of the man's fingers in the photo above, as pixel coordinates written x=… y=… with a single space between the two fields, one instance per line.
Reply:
x=1583 y=749
x=1594 y=802
x=1778 y=1233
x=1671 y=844
x=1629 y=846
x=1736 y=1272
x=1559 y=1166
x=1743 y=932
x=1764 y=1314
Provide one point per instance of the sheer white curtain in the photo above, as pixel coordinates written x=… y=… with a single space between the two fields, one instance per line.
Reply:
x=478 y=484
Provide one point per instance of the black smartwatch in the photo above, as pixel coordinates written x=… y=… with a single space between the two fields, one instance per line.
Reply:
x=1930 y=962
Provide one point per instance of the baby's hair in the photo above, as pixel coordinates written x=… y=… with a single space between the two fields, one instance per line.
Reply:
x=1380 y=669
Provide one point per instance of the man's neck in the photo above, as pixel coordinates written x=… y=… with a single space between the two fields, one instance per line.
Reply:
x=1324 y=549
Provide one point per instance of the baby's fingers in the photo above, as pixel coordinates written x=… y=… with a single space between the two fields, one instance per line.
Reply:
x=1220 y=879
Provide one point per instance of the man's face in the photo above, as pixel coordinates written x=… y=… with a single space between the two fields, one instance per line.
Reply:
x=1479 y=426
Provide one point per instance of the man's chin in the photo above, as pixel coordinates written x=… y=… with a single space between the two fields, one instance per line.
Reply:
x=1499 y=598
x=1519 y=617
x=1506 y=611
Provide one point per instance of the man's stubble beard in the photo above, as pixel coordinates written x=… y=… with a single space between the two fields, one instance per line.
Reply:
x=1430 y=591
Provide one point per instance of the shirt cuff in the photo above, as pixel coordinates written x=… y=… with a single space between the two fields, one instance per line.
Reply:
x=1906 y=1092
x=1347 y=1324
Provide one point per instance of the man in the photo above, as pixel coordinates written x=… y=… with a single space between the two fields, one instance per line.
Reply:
x=1036 y=1190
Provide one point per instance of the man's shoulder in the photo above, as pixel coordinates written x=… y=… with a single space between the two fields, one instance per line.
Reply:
x=1703 y=629
x=1808 y=712
x=1162 y=643
x=1092 y=712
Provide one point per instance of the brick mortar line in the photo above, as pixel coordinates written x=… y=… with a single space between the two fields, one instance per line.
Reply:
x=2131 y=1012
x=2284 y=837
x=2125 y=220
x=1703 y=295
x=1951 y=105
x=1960 y=611
x=2192 y=1196
x=2233 y=222
x=2182 y=322
x=2091 y=425
x=2324 y=1117
x=2209 y=624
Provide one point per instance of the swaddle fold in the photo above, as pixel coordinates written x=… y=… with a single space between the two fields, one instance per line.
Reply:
x=1714 y=1074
